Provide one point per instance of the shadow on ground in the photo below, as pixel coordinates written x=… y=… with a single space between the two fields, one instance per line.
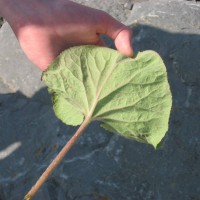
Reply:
x=104 y=166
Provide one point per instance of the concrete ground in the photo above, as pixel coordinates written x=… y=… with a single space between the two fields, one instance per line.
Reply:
x=101 y=165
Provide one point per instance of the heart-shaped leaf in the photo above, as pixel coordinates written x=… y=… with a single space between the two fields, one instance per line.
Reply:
x=130 y=96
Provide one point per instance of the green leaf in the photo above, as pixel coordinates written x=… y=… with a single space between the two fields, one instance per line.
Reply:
x=130 y=96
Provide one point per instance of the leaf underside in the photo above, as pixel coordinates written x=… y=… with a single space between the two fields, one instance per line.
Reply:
x=130 y=96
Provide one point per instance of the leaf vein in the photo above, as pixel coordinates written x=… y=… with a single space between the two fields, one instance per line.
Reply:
x=125 y=107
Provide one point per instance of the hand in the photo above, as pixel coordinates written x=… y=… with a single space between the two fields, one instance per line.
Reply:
x=45 y=28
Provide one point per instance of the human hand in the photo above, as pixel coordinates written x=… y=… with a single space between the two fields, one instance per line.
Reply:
x=45 y=28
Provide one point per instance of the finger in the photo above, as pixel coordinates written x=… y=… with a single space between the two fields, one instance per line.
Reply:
x=123 y=42
x=120 y=33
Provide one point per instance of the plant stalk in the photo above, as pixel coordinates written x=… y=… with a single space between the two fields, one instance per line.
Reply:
x=57 y=160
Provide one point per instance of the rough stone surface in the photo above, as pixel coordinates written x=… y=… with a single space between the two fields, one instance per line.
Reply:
x=101 y=165
x=119 y=9
x=1 y=21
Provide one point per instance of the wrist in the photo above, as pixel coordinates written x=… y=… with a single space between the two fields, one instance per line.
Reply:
x=7 y=10
x=5 y=7
x=14 y=12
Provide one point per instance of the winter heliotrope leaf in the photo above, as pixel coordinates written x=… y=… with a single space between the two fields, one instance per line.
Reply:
x=130 y=96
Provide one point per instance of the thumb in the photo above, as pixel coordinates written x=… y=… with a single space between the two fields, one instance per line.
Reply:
x=123 y=42
x=121 y=34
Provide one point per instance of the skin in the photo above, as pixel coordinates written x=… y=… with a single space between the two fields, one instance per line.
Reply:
x=44 y=28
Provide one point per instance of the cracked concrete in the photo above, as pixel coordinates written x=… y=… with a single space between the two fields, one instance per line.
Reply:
x=101 y=165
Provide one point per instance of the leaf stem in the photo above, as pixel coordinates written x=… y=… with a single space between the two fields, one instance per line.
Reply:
x=57 y=159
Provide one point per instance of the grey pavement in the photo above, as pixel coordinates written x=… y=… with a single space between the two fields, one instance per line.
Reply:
x=102 y=165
